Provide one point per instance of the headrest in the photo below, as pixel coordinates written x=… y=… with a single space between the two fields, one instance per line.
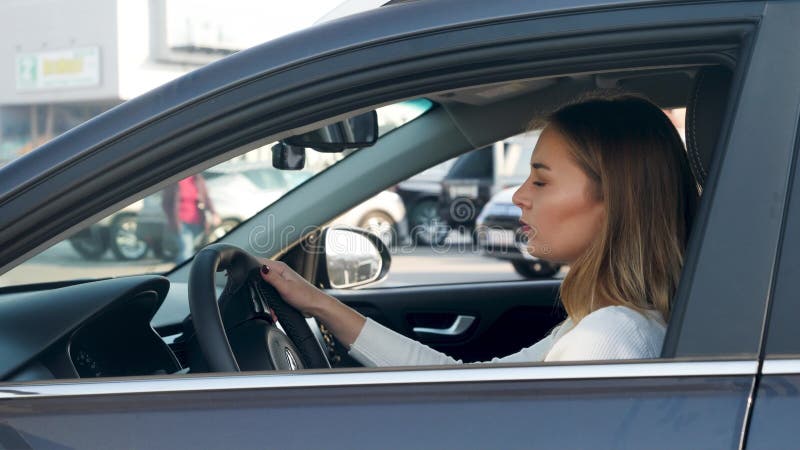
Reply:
x=704 y=115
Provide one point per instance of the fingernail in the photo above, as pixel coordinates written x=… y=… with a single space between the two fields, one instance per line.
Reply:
x=264 y=269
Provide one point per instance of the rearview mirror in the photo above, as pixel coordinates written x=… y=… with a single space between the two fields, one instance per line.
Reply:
x=355 y=132
x=288 y=157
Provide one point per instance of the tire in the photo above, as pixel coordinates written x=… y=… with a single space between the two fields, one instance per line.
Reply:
x=427 y=228
x=124 y=243
x=380 y=224
x=166 y=247
x=535 y=269
x=91 y=243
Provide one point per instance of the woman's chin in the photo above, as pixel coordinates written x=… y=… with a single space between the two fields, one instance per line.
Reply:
x=536 y=254
x=543 y=253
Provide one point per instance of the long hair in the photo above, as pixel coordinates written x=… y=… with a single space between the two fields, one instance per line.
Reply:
x=638 y=168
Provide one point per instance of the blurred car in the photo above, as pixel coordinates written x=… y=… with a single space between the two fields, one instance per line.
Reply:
x=238 y=191
x=420 y=195
x=478 y=175
x=383 y=214
x=498 y=235
x=235 y=196
x=116 y=232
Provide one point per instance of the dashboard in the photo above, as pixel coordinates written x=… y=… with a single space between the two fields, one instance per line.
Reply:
x=120 y=342
x=93 y=329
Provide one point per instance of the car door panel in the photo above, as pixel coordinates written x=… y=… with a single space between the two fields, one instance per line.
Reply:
x=669 y=412
x=774 y=419
x=508 y=316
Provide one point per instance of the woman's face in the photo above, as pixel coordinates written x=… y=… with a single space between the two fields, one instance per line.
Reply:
x=560 y=215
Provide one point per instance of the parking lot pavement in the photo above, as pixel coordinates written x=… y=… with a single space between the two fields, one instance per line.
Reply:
x=438 y=266
x=61 y=262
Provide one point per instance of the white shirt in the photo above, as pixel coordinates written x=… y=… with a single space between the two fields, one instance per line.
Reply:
x=613 y=332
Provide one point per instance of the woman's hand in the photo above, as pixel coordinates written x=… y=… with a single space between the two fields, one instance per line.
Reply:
x=344 y=322
x=293 y=288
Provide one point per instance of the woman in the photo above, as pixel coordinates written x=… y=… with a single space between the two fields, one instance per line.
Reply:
x=610 y=194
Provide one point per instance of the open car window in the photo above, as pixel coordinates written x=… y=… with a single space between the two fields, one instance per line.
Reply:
x=143 y=237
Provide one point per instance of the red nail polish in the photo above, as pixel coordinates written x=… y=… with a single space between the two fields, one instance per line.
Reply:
x=264 y=269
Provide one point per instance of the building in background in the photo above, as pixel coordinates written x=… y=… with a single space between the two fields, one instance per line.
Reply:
x=63 y=62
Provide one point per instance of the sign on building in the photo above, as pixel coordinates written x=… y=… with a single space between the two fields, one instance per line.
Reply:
x=58 y=69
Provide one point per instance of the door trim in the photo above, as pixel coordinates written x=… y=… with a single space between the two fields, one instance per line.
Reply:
x=781 y=367
x=364 y=377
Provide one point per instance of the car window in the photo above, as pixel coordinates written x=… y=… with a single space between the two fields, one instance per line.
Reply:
x=162 y=230
x=265 y=179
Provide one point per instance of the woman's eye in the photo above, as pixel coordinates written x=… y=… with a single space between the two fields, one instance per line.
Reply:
x=538 y=183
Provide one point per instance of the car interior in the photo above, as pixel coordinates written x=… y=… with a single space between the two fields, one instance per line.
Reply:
x=143 y=325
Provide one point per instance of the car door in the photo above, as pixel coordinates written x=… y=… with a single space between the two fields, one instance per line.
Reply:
x=776 y=396
x=469 y=321
x=698 y=397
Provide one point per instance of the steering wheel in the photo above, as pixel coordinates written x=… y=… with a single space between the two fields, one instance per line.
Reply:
x=237 y=332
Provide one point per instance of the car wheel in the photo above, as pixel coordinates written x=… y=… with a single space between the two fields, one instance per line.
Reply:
x=427 y=227
x=381 y=225
x=166 y=248
x=535 y=269
x=91 y=243
x=124 y=242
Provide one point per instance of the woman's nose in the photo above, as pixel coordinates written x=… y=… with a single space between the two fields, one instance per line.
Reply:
x=518 y=197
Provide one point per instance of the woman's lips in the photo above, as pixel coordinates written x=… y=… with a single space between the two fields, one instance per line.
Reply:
x=524 y=227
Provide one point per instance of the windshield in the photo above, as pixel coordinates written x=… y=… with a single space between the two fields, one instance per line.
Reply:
x=164 y=229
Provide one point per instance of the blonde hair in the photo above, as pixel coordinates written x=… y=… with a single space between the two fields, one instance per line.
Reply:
x=638 y=168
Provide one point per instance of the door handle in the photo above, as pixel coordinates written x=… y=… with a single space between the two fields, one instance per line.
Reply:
x=459 y=326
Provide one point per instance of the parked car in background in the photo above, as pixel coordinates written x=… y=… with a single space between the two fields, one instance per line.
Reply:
x=498 y=235
x=382 y=214
x=476 y=176
x=240 y=190
x=235 y=195
x=116 y=232
x=420 y=195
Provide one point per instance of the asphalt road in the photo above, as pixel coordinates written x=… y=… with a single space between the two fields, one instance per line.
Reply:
x=457 y=264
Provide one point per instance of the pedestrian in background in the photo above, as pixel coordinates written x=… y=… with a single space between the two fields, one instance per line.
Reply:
x=190 y=214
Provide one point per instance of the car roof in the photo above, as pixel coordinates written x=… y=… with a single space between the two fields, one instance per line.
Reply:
x=388 y=22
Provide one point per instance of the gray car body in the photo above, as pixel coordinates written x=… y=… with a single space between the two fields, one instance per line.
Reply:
x=707 y=395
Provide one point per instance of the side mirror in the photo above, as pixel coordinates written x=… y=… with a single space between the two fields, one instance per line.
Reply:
x=352 y=257
x=355 y=132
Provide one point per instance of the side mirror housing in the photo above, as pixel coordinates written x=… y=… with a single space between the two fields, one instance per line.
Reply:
x=351 y=257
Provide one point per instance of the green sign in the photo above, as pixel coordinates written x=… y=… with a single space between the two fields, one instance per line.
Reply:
x=58 y=69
